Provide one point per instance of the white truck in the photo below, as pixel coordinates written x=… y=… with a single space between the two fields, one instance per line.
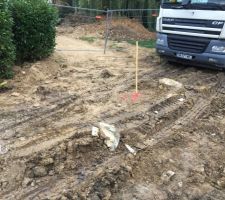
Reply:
x=192 y=31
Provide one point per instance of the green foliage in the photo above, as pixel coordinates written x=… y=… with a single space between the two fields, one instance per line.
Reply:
x=144 y=43
x=34 y=29
x=7 y=53
x=88 y=39
x=116 y=4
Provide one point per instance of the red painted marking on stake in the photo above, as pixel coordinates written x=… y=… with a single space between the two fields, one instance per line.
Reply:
x=98 y=17
x=135 y=96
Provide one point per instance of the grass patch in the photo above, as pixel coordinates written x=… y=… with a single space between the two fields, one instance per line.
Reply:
x=88 y=39
x=144 y=43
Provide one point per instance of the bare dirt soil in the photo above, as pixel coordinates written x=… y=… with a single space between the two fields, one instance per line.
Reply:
x=48 y=110
x=120 y=29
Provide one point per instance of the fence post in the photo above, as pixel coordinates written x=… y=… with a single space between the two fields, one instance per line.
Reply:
x=106 y=31
x=108 y=24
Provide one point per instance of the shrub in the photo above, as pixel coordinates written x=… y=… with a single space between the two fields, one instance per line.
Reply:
x=7 y=53
x=34 y=29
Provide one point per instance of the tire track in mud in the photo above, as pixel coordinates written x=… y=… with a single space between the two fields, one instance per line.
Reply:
x=23 y=116
x=200 y=105
x=95 y=176
x=214 y=195
x=165 y=107
x=144 y=119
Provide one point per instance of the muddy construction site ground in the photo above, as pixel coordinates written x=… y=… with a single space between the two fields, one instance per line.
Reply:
x=48 y=110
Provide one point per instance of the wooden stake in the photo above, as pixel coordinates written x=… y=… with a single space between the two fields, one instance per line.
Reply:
x=137 y=66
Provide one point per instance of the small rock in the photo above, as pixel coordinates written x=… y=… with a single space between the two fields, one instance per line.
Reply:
x=33 y=184
x=59 y=168
x=23 y=72
x=95 y=131
x=171 y=161
x=64 y=66
x=130 y=149
x=51 y=173
x=221 y=182
x=4 y=184
x=15 y=94
x=180 y=184
x=107 y=194
x=181 y=99
x=22 y=138
x=170 y=82
x=26 y=182
x=167 y=176
x=106 y=74
x=156 y=112
x=36 y=105
x=3 y=149
x=129 y=168
x=47 y=161
x=39 y=171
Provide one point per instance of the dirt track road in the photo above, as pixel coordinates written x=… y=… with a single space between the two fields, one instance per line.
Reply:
x=49 y=108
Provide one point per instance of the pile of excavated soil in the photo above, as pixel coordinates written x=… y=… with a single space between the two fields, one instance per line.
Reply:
x=119 y=29
x=129 y=29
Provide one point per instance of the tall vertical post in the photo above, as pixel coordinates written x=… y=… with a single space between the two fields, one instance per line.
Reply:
x=108 y=23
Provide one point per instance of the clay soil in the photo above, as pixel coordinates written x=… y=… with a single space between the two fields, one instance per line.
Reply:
x=49 y=108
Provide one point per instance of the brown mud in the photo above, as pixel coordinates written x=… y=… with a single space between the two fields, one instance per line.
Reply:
x=47 y=115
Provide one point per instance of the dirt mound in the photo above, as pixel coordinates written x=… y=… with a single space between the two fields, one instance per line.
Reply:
x=76 y=20
x=120 y=29
x=129 y=29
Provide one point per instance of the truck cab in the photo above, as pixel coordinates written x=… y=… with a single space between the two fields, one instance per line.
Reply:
x=192 y=31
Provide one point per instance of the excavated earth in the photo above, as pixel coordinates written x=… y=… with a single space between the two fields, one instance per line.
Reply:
x=48 y=110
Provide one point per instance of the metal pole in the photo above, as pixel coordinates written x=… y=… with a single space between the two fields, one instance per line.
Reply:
x=108 y=23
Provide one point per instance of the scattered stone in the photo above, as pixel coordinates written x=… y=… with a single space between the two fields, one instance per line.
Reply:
x=26 y=182
x=47 y=161
x=107 y=194
x=23 y=72
x=110 y=135
x=51 y=173
x=59 y=169
x=22 y=138
x=95 y=131
x=180 y=184
x=36 y=105
x=4 y=184
x=3 y=148
x=171 y=161
x=63 y=65
x=33 y=184
x=40 y=171
x=106 y=74
x=171 y=83
x=156 y=112
x=130 y=149
x=15 y=94
x=167 y=176
x=181 y=99
x=221 y=182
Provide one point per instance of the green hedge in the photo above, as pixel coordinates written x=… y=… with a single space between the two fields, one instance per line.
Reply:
x=34 y=29
x=7 y=53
